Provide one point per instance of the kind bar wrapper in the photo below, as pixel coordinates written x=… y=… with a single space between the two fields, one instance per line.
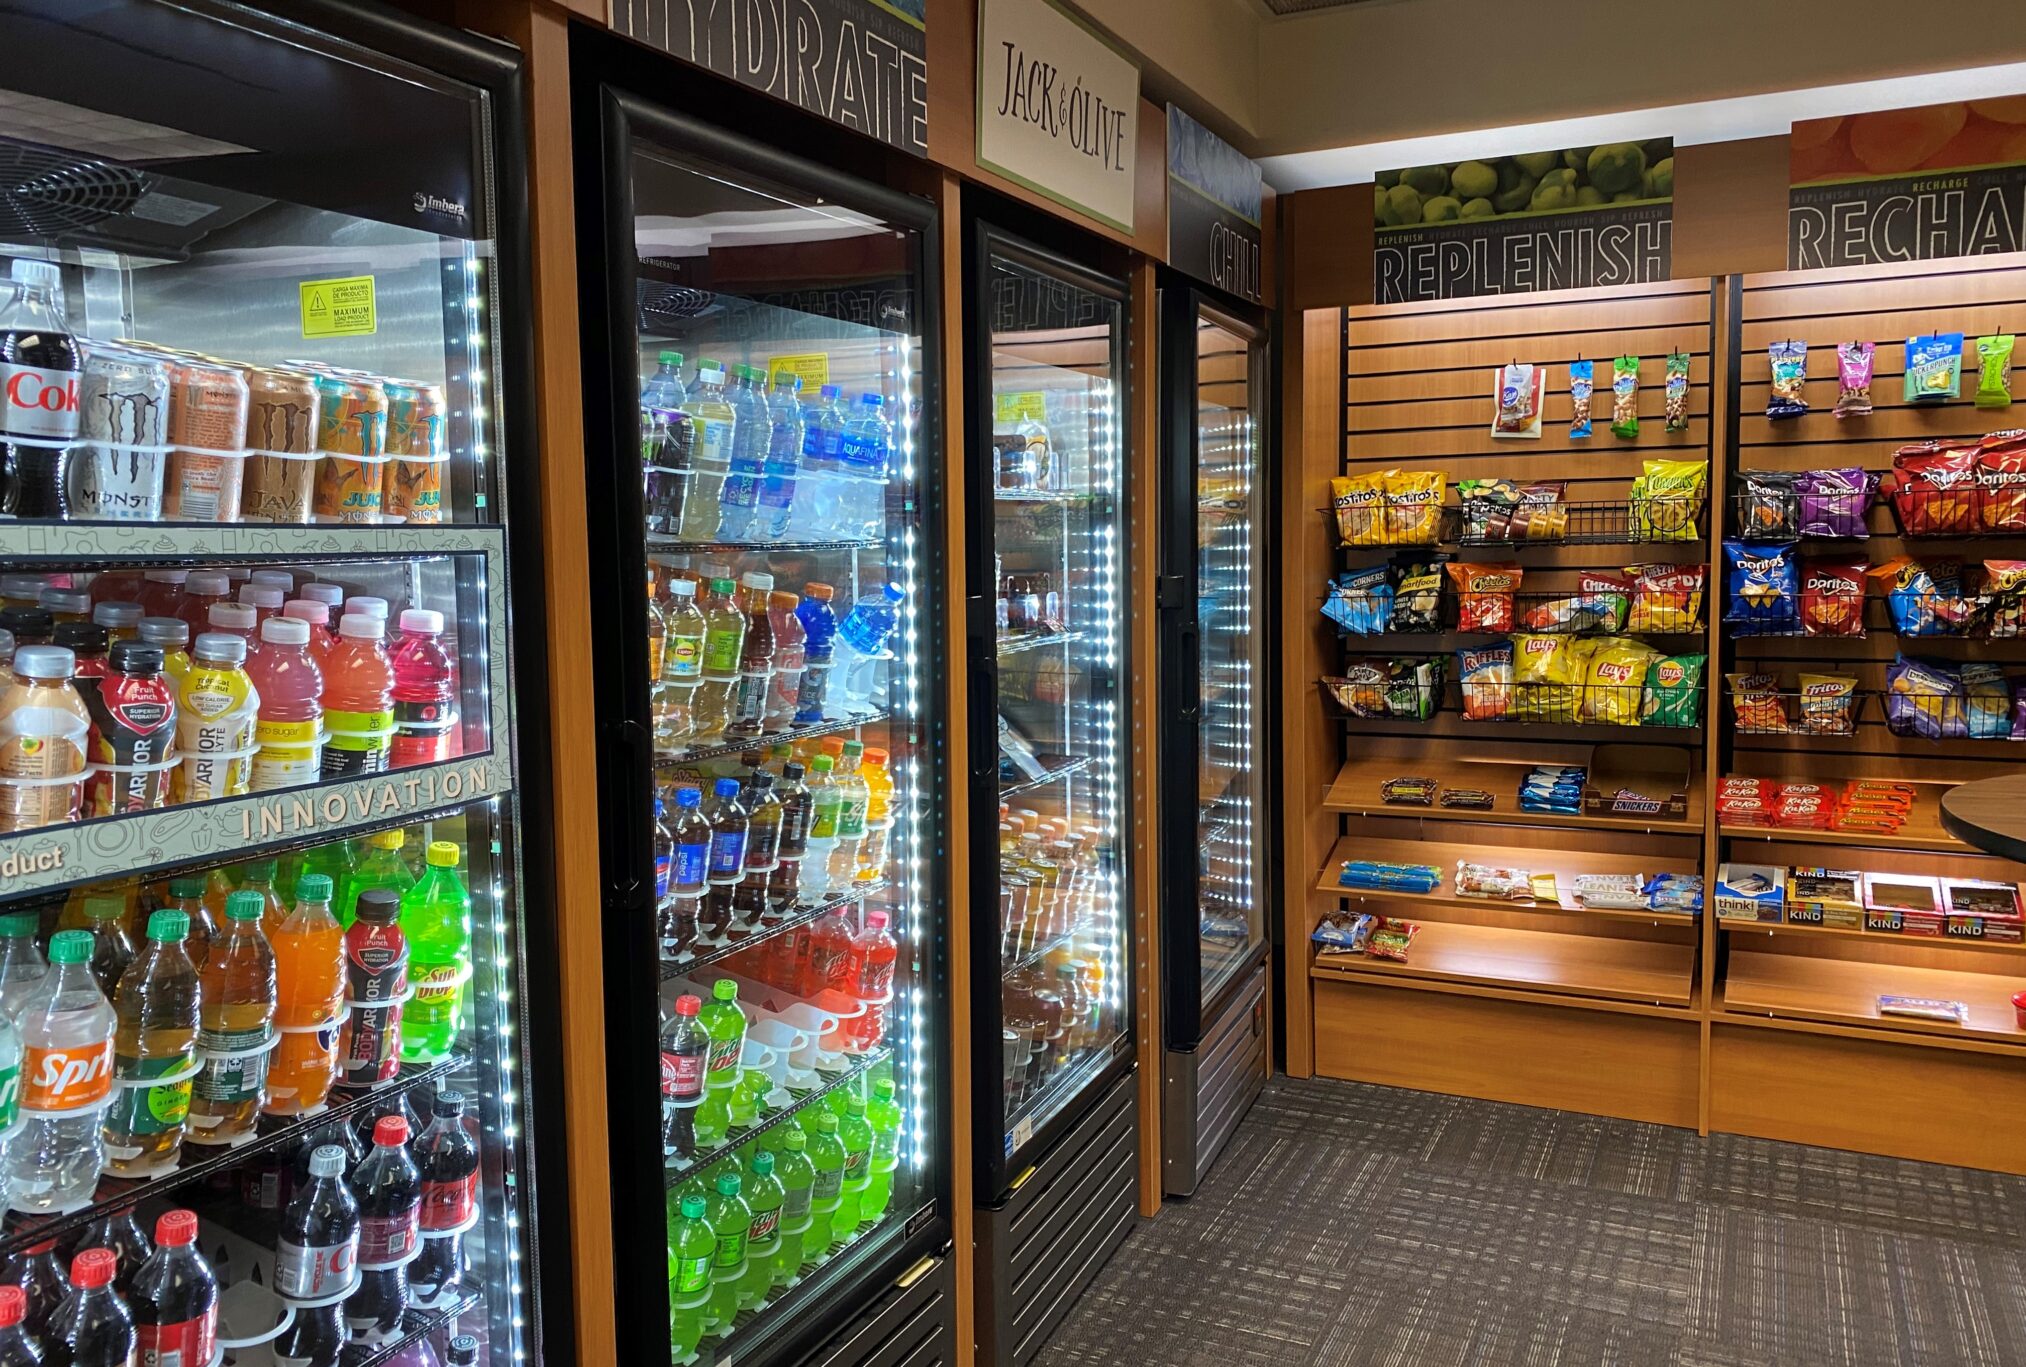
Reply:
x=1994 y=371
x=1582 y=376
x=1676 y=394
x=1518 y=391
x=1934 y=368
x=1625 y=396
x=1789 y=398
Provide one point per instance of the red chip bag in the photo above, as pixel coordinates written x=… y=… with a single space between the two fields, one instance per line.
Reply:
x=2001 y=480
x=1484 y=596
x=1832 y=597
x=1935 y=488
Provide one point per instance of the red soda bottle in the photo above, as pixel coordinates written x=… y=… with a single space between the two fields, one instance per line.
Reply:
x=447 y=1154
x=425 y=693
x=92 y=1328
x=40 y=1275
x=685 y=1050
x=828 y=963
x=175 y=1298
x=376 y=978
x=873 y=955
x=390 y=1220
x=119 y=1231
x=17 y=1349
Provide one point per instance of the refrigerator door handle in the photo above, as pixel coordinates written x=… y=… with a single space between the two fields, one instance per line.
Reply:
x=984 y=714
x=1189 y=637
x=629 y=747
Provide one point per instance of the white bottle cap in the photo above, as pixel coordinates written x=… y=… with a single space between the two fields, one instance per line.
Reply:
x=165 y=576
x=262 y=596
x=218 y=646
x=423 y=620
x=332 y=594
x=232 y=617
x=370 y=607
x=754 y=579
x=44 y=662
x=360 y=627
x=682 y=588
x=307 y=610
x=280 y=579
x=285 y=631
x=208 y=581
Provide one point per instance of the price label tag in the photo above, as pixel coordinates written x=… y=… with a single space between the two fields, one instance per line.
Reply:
x=338 y=308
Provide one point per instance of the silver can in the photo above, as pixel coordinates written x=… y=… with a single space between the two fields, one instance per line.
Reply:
x=123 y=435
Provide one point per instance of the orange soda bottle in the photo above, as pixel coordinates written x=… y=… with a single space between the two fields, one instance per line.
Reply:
x=309 y=970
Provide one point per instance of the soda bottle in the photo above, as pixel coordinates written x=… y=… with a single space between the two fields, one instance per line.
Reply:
x=690 y=834
x=43 y=1279
x=861 y=640
x=216 y=716
x=381 y=867
x=763 y=826
x=103 y=919
x=92 y=1327
x=119 y=1231
x=376 y=971
x=725 y=1023
x=826 y=1188
x=692 y=1252
x=797 y=1177
x=44 y=736
x=425 y=693
x=447 y=1155
x=685 y=1057
x=389 y=1191
x=358 y=699
x=756 y=659
x=864 y=453
x=316 y=1337
x=155 y=1053
x=739 y=496
x=819 y=630
x=814 y=509
x=436 y=919
x=317 y=617
x=236 y=992
x=236 y=619
x=309 y=970
x=254 y=876
x=798 y=811
x=53 y=1158
x=317 y=1252
x=883 y=1113
x=337 y=861
x=664 y=852
x=172 y=636
x=878 y=782
x=873 y=955
x=713 y=420
x=17 y=1347
x=826 y=803
x=133 y=710
x=728 y=832
x=853 y=798
x=731 y=1219
x=856 y=1136
x=175 y=1297
x=395 y=1101
x=667 y=441
x=290 y=717
x=766 y=1196
x=21 y=963
x=40 y=365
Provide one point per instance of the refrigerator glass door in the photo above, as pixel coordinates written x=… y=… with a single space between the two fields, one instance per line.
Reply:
x=1228 y=520
x=1055 y=373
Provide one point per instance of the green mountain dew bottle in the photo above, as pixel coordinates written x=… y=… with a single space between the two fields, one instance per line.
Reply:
x=798 y=1177
x=766 y=1195
x=732 y=1220
x=335 y=861
x=692 y=1250
x=697 y=1184
x=381 y=867
x=856 y=1136
x=826 y=1155
x=883 y=1114
x=712 y=1121
x=436 y=919
x=726 y=1025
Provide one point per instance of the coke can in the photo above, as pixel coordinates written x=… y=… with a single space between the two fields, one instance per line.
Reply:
x=351 y=446
x=123 y=435
x=417 y=439
x=281 y=439
x=207 y=438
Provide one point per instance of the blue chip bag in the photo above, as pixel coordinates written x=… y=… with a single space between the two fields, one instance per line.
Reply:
x=1361 y=602
x=1765 y=588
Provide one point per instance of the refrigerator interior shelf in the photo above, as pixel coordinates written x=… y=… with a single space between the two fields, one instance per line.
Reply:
x=1063 y=1086
x=1044 y=949
x=201 y=1161
x=661 y=541
x=1059 y=767
x=418 y=1323
x=665 y=760
x=701 y=1161
x=1036 y=640
x=206 y=543
x=709 y=954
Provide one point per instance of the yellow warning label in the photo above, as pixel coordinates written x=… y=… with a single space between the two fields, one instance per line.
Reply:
x=1012 y=408
x=338 y=308
x=814 y=368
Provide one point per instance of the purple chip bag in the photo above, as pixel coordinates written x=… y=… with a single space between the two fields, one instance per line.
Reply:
x=1835 y=502
x=1924 y=698
x=2019 y=710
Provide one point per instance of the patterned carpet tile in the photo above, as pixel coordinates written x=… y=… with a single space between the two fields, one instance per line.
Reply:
x=1450 y=1323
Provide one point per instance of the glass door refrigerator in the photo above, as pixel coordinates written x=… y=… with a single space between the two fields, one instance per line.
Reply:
x=1052 y=989
x=762 y=376
x=1214 y=948
x=266 y=836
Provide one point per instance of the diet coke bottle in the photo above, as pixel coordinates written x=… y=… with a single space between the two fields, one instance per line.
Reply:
x=39 y=369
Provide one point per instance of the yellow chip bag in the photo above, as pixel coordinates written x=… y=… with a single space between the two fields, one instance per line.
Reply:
x=1616 y=682
x=1666 y=499
x=1547 y=677
x=1360 y=502
x=1413 y=507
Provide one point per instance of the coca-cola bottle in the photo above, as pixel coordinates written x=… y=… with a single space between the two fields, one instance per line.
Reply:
x=685 y=1051
x=17 y=1349
x=335 y=1133
x=119 y=1231
x=39 y=372
x=403 y=1103
x=373 y=1312
x=39 y=1273
x=316 y=1337
x=175 y=1297
x=92 y=1328
x=390 y=1216
x=447 y=1155
x=317 y=1254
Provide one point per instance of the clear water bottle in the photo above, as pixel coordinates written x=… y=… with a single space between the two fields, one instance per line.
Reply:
x=22 y=967
x=739 y=499
x=866 y=454
x=714 y=423
x=52 y=1161
x=861 y=639
x=664 y=388
x=667 y=445
x=815 y=504
x=784 y=458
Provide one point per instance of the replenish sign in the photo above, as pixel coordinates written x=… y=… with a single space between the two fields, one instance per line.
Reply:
x=1916 y=184
x=1580 y=217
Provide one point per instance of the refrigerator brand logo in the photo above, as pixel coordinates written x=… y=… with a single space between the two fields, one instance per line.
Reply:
x=311 y=811
x=430 y=204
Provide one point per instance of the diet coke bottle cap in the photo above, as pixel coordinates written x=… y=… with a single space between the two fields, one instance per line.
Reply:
x=328 y=1161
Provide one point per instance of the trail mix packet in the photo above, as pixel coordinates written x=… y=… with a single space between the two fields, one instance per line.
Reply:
x=1788 y=398
x=1582 y=375
x=1934 y=368
x=1853 y=378
x=1994 y=371
x=1675 y=396
x=1625 y=396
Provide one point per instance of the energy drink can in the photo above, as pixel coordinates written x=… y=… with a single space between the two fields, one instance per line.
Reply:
x=123 y=436
x=351 y=446
x=281 y=437
x=418 y=447
x=207 y=440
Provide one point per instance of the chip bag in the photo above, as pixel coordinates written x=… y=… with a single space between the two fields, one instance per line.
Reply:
x=1853 y=379
x=2001 y=611
x=1934 y=488
x=1676 y=393
x=1666 y=497
x=1924 y=598
x=1601 y=600
x=1769 y=505
x=1614 y=689
x=1666 y=598
x=1548 y=677
x=1934 y=368
x=1836 y=503
x=1828 y=705
x=1488 y=506
x=1360 y=503
x=1924 y=698
x=1518 y=391
x=1485 y=679
x=1484 y=596
x=1581 y=386
x=1764 y=583
x=1673 y=695
x=1417 y=594
x=1756 y=705
x=1832 y=597
x=1994 y=372
x=1987 y=701
x=1625 y=396
x=2001 y=480
x=1413 y=507
x=1361 y=602
x=1789 y=397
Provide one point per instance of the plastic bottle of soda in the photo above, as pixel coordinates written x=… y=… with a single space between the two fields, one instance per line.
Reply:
x=389 y=1191
x=725 y=1023
x=394 y=1101
x=826 y=802
x=447 y=1155
x=685 y=1057
x=39 y=402
x=436 y=919
x=883 y=1113
x=175 y=1297
x=236 y=987
x=119 y=1231
x=861 y=639
x=44 y=734
x=739 y=497
x=856 y=1136
x=731 y=1219
x=767 y=1196
x=380 y=867
x=756 y=660
x=358 y=700
x=826 y=1191
x=425 y=693
x=17 y=1347
x=797 y=1177
x=43 y=1277
x=103 y=918
x=316 y=1337
x=216 y=717
x=157 y=1039
x=692 y=1252
x=728 y=823
x=376 y=974
x=873 y=955
x=92 y=1327
x=819 y=630
x=289 y=727
x=878 y=814
x=66 y=1026
x=714 y=422
x=853 y=798
x=309 y=967
x=317 y=1253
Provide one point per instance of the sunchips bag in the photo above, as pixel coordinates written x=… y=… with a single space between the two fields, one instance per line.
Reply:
x=1673 y=691
x=1581 y=386
x=1614 y=686
x=1994 y=371
x=1625 y=396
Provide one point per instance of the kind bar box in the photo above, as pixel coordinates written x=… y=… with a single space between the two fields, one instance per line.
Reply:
x=1826 y=897
x=1979 y=910
x=1908 y=903
x=1749 y=892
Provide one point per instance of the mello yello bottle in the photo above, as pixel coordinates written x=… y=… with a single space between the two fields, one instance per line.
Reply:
x=725 y=1023
x=154 y=1053
x=436 y=918
x=215 y=721
x=692 y=1252
x=309 y=966
x=884 y=1115
x=237 y=1005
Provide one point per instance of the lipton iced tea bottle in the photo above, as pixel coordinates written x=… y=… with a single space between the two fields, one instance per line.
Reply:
x=215 y=721
x=237 y=996
x=154 y=1053
x=358 y=699
x=53 y=1160
x=44 y=728
x=290 y=722
x=436 y=918
x=376 y=976
x=309 y=969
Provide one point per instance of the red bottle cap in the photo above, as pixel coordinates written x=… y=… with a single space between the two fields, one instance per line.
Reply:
x=688 y=1004
x=876 y=920
x=389 y=1131
x=93 y=1268
x=13 y=1305
x=176 y=1228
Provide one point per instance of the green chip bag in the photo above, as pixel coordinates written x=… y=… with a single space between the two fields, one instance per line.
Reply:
x=1625 y=396
x=1994 y=372
x=1674 y=691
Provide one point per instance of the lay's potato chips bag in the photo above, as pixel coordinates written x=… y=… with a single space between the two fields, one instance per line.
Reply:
x=1615 y=683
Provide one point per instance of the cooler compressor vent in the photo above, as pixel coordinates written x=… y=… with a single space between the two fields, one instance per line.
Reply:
x=50 y=194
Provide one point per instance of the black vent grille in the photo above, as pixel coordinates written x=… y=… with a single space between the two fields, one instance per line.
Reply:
x=51 y=194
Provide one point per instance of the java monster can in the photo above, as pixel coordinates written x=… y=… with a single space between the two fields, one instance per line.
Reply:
x=281 y=439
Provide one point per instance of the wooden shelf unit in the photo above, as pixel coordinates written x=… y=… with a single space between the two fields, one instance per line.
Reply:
x=1846 y=992
x=1650 y=972
x=1443 y=854
x=1496 y=769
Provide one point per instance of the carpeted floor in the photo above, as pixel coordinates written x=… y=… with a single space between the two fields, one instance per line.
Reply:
x=1354 y=1226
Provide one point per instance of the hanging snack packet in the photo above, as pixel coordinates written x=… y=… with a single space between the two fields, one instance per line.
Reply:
x=1832 y=597
x=1853 y=379
x=1361 y=690
x=1934 y=488
x=1756 y=705
x=1361 y=602
x=2001 y=480
x=1769 y=505
x=1934 y=368
x=1416 y=688
x=2001 y=615
x=1924 y=698
x=1625 y=396
x=1518 y=391
x=1828 y=705
x=1413 y=507
x=1789 y=397
x=1360 y=503
x=1666 y=497
x=1994 y=371
x=1676 y=394
x=1924 y=599
x=1987 y=701
x=1547 y=677
x=1666 y=598
x=1484 y=596
x=1600 y=603
x=1417 y=596
x=1488 y=507
x=1765 y=589
x=1581 y=374
x=1836 y=503
x=1485 y=678
x=1615 y=687
x=1673 y=691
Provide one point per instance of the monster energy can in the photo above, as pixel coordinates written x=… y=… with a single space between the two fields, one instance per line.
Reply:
x=123 y=434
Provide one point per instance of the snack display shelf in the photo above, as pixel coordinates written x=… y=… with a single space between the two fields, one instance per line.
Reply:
x=667 y=762
x=1875 y=937
x=1059 y=768
x=1566 y=865
x=1650 y=972
x=182 y=543
x=1358 y=784
x=1599 y=522
x=1922 y=831
x=1846 y=992
x=702 y=955
x=702 y=1160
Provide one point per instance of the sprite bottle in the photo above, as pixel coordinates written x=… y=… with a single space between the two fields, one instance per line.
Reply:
x=826 y=1189
x=732 y=1221
x=766 y=1196
x=692 y=1251
x=797 y=1177
x=884 y=1115
x=726 y=1025
x=436 y=919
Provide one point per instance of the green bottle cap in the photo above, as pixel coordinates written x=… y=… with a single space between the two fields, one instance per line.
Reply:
x=168 y=927
x=186 y=887
x=17 y=925
x=245 y=906
x=104 y=908
x=692 y=1207
x=262 y=869
x=826 y=1121
x=313 y=887
x=854 y=1104
x=763 y=1163
x=822 y=764
x=794 y=1140
x=670 y=358
x=725 y=990
x=722 y=586
x=883 y=1089
x=70 y=947
x=728 y=1184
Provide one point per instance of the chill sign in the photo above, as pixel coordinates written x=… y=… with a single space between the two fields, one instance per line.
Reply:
x=1215 y=197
